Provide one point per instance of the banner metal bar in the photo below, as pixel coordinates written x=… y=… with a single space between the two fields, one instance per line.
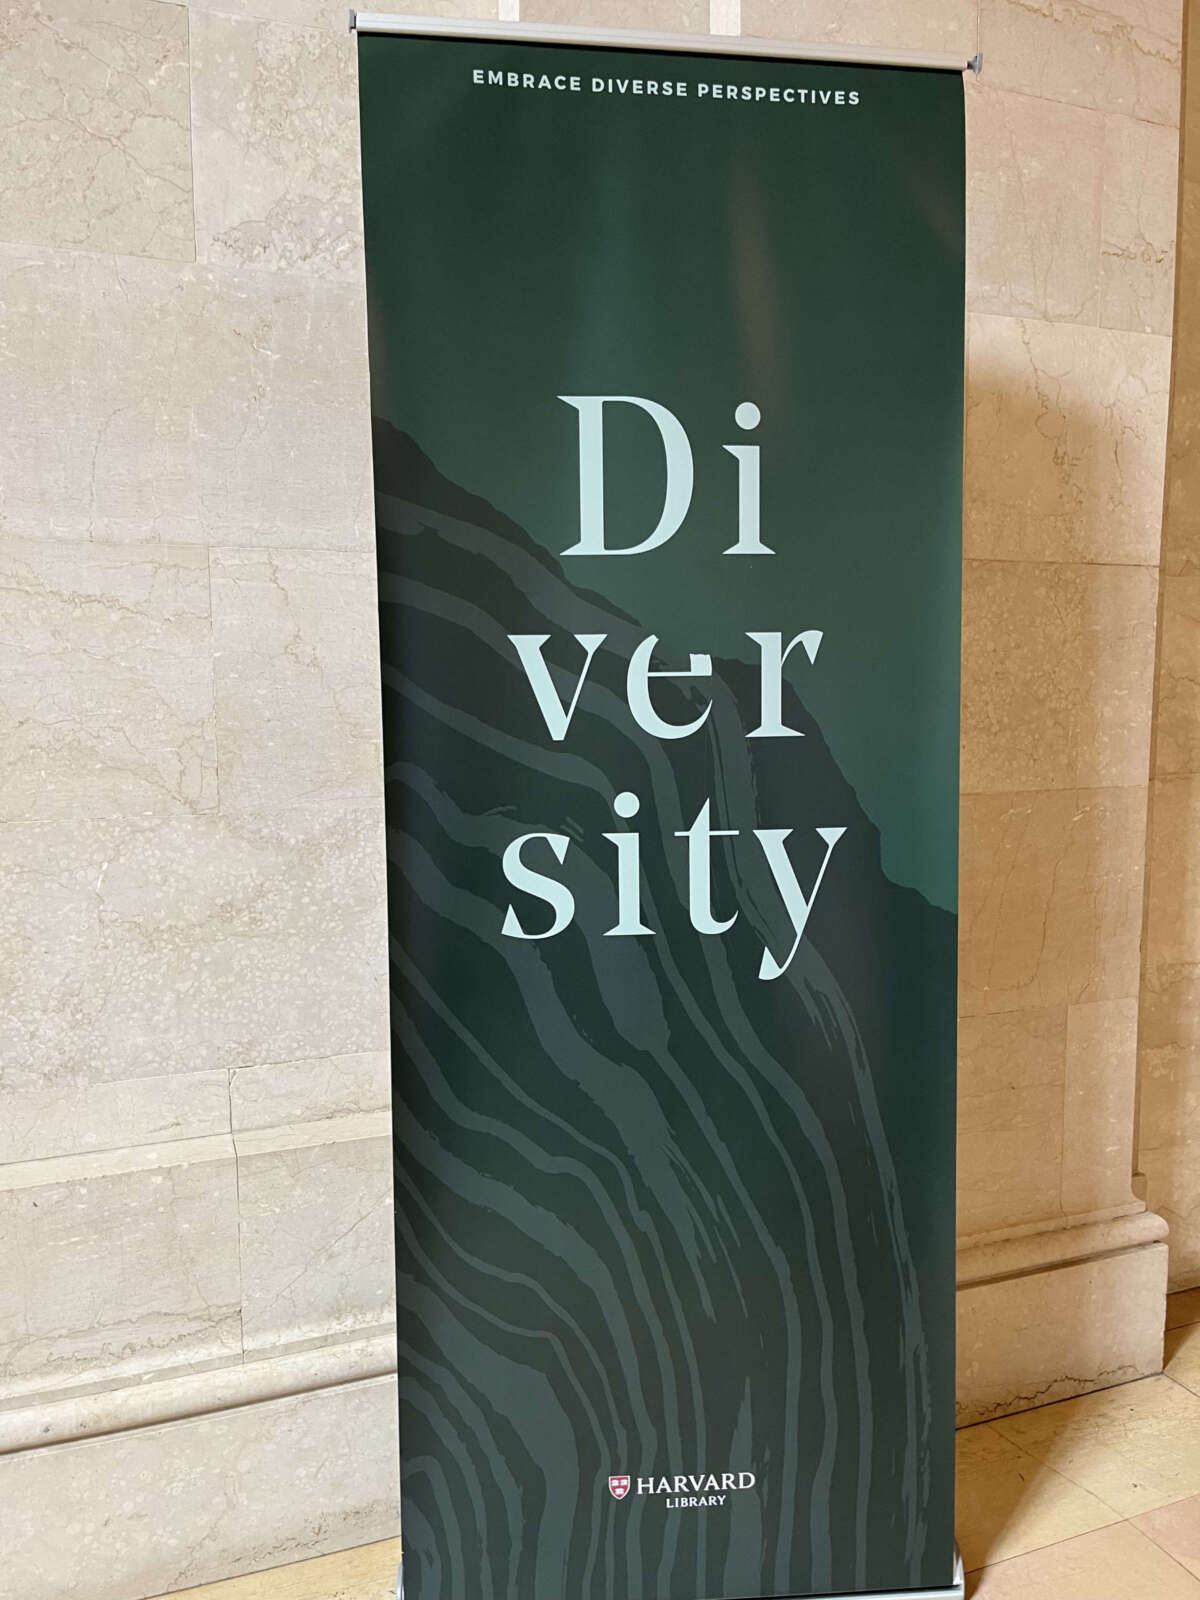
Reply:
x=720 y=44
x=957 y=1591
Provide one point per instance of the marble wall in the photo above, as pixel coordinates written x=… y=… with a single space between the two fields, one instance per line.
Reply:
x=195 y=1264
x=1170 y=1003
x=194 y=1267
x=1072 y=193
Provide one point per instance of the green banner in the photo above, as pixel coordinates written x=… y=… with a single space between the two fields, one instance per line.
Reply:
x=666 y=356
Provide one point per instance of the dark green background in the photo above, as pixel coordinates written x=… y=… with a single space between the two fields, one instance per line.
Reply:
x=654 y=1215
x=701 y=253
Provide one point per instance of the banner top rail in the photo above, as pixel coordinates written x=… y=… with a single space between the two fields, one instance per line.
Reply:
x=635 y=39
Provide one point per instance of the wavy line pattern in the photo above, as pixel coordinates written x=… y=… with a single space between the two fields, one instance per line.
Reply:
x=650 y=1215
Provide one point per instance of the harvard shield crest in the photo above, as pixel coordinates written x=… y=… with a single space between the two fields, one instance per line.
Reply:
x=618 y=1487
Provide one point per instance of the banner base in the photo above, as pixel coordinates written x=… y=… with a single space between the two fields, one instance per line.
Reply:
x=956 y=1591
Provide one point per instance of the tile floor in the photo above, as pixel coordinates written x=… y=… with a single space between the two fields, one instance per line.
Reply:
x=1090 y=1499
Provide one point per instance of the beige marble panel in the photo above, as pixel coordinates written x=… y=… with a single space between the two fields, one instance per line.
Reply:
x=1173 y=1190
x=1189 y=169
x=1114 y=1563
x=1137 y=248
x=329 y=15
x=275 y=141
x=1173 y=910
x=366 y=1573
x=1118 y=55
x=660 y=16
x=295 y=647
x=1183 y=1310
x=1181 y=548
x=60 y=1121
x=111 y=1275
x=1191 y=90
x=94 y=370
x=1034 y=186
x=1177 y=714
x=1169 y=1099
x=280 y=410
x=1058 y=675
x=148 y=946
x=94 y=126
x=1011 y=1050
x=316 y=1240
x=1008 y=1503
x=106 y=693
x=1065 y=441
x=1010 y=1118
x=194 y=404
x=1040 y=1336
x=1188 y=219
x=1169 y=1056
x=277 y=1093
x=948 y=25
x=1169 y=1044
x=1010 y=1144
x=1050 y=898
x=1134 y=1447
x=250 y=1488
x=1099 y=1108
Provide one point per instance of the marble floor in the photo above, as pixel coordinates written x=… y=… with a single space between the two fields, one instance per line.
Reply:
x=1091 y=1499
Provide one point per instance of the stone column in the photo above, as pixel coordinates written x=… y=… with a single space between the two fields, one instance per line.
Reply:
x=1170 y=999
x=1072 y=153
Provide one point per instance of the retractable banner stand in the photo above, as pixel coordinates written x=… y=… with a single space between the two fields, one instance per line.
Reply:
x=666 y=356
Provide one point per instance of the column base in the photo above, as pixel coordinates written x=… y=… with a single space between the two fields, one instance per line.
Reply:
x=1049 y=1315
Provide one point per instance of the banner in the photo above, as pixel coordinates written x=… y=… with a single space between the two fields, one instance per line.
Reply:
x=666 y=358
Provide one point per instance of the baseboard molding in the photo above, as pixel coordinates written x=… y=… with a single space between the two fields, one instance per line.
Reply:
x=151 y=1510
x=166 y=1397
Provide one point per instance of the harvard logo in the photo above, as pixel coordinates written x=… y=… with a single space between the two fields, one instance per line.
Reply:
x=618 y=1487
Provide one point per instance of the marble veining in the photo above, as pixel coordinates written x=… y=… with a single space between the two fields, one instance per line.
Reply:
x=95 y=149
